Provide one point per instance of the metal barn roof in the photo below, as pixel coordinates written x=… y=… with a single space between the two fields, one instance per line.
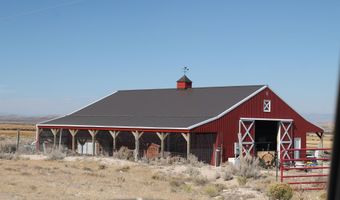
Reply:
x=159 y=108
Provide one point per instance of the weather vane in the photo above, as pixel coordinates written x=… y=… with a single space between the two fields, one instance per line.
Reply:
x=185 y=70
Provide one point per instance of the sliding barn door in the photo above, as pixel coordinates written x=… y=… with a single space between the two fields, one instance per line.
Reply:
x=246 y=136
x=285 y=136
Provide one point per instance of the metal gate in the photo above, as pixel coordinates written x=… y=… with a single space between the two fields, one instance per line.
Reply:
x=308 y=172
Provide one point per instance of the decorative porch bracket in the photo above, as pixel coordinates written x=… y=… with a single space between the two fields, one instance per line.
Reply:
x=162 y=137
x=73 y=133
x=54 y=132
x=93 y=133
x=114 y=135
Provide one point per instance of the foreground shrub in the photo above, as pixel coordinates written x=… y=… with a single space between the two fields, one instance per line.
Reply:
x=193 y=160
x=123 y=169
x=124 y=153
x=242 y=180
x=7 y=156
x=280 y=191
x=176 y=182
x=200 y=180
x=323 y=196
x=213 y=190
x=56 y=154
x=174 y=160
x=159 y=176
x=7 y=146
x=227 y=173
x=248 y=167
x=192 y=172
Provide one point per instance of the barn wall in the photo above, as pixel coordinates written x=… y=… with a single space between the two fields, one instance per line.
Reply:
x=227 y=126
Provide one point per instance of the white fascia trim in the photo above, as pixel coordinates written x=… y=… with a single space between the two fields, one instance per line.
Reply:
x=40 y=123
x=229 y=109
x=265 y=119
x=297 y=112
x=96 y=126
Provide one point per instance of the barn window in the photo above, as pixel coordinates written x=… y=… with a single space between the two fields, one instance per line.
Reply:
x=266 y=106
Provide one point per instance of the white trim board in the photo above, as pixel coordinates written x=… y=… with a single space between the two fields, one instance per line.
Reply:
x=96 y=126
x=265 y=119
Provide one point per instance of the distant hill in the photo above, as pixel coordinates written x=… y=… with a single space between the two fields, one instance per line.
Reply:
x=24 y=119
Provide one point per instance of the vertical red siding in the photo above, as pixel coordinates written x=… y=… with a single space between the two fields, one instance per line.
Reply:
x=227 y=126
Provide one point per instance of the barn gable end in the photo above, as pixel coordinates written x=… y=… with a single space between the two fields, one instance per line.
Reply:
x=227 y=126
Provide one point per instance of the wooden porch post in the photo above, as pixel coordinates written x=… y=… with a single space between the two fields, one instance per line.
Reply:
x=114 y=135
x=73 y=133
x=37 y=138
x=162 y=137
x=93 y=133
x=54 y=132
x=60 y=136
x=137 y=135
x=187 y=138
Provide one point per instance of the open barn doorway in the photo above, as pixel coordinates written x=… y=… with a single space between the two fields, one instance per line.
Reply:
x=266 y=136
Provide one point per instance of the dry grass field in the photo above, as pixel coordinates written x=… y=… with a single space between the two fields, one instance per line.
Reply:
x=10 y=130
x=45 y=177
x=32 y=179
x=107 y=178
x=313 y=141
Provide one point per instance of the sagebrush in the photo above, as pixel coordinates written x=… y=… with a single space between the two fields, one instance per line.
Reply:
x=280 y=191
x=56 y=154
x=248 y=167
x=124 y=153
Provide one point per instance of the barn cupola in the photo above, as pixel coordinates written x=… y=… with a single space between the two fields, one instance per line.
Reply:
x=184 y=83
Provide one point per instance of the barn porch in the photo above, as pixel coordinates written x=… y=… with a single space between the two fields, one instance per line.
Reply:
x=143 y=143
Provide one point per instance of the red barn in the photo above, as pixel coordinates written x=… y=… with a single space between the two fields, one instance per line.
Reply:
x=183 y=120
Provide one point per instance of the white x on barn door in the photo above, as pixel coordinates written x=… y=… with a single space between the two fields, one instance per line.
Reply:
x=286 y=141
x=247 y=141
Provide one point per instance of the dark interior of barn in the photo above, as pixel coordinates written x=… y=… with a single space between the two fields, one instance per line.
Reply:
x=266 y=135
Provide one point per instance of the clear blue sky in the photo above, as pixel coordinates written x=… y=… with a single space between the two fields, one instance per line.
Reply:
x=57 y=56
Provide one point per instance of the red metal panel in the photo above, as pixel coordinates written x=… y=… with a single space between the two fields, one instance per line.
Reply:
x=183 y=85
x=227 y=125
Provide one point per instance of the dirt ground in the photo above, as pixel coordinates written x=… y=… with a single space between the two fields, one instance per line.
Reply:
x=40 y=179
x=34 y=177
x=86 y=178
